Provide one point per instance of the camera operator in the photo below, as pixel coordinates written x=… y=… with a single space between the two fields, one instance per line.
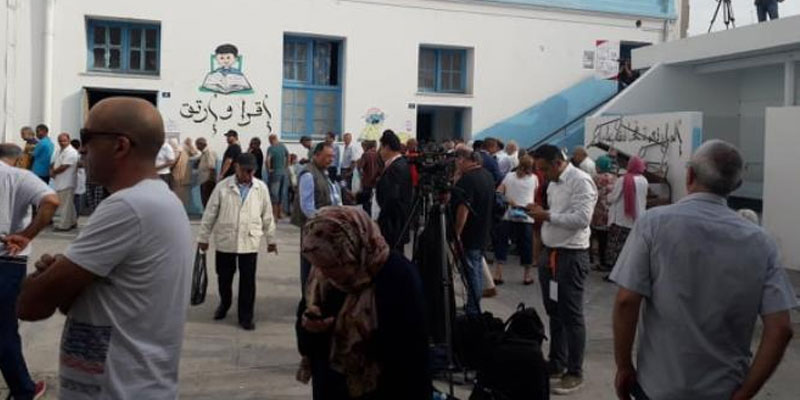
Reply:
x=473 y=199
x=394 y=192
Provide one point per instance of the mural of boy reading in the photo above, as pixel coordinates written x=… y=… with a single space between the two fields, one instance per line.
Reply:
x=227 y=77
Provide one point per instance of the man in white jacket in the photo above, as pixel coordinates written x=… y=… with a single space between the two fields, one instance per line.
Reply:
x=241 y=211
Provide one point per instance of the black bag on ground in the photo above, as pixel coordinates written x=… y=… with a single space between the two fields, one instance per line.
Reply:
x=199 y=278
x=473 y=334
x=514 y=367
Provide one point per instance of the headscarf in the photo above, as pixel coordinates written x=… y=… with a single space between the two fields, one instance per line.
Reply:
x=636 y=166
x=347 y=238
x=603 y=164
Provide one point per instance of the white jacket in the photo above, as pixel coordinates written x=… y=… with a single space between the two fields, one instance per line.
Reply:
x=238 y=226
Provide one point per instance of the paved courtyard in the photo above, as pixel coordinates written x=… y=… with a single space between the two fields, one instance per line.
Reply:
x=222 y=361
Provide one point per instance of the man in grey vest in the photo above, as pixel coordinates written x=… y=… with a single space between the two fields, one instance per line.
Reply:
x=316 y=191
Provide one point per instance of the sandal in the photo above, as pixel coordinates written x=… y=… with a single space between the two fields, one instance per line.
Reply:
x=527 y=282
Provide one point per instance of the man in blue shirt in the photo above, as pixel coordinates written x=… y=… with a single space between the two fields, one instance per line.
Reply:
x=42 y=153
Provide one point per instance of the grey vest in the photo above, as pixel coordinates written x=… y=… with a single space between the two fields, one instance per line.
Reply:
x=322 y=194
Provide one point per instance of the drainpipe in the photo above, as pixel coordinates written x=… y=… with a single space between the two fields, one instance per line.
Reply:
x=10 y=69
x=49 y=36
x=789 y=82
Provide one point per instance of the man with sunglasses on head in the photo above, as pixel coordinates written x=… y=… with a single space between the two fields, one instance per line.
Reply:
x=124 y=282
x=240 y=209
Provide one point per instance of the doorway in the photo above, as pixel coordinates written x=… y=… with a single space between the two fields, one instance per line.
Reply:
x=438 y=123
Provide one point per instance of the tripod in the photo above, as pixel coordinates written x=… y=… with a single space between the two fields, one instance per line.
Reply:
x=727 y=15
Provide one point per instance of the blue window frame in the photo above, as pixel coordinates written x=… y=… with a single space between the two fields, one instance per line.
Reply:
x=123 y=47
x=442 y=70
x=312 y=92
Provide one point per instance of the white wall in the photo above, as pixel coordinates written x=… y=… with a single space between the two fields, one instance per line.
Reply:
x=759 y=88
x=781 y=192
x=669 y=88
x=521 y=55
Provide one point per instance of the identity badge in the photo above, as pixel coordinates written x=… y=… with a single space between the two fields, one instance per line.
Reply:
x=554 y=291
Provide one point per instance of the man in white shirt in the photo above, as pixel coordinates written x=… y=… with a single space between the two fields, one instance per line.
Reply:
x=21 y=190
x=581 y=159
x=124 y=282
x=512 y=149
x=64 y=173
x=495 y=148
x=165 y=159
x=571 y=197
x=351 y=153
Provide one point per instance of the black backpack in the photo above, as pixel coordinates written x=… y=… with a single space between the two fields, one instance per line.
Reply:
x=514 y=367
x=473 y=336
x=526 y=324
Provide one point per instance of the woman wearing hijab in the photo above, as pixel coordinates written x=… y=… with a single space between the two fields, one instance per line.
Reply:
x=628 y=200
x=363 y=333
x=605 y=181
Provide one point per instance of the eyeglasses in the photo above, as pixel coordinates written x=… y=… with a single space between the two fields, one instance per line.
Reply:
x=88 y=134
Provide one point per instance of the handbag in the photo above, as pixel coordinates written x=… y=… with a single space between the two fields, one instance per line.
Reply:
x=199 y=278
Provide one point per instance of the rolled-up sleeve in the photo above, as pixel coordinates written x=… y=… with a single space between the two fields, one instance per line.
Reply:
x=777 y=294
x=581 y=206
x=307 y=205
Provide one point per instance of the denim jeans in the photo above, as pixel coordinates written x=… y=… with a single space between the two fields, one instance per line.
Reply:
x=279 y=189
x=473 y=272
x=767 y=8
x=567 y=325
x=521 y=234
x=12 y=364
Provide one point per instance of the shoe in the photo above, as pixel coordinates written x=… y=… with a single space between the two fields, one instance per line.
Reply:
x=498 y=282
x=569 y=384
x=41 y=387
x=248 y=325
x=555 y=374
x=489 y=292
x=220 y=313
x=527 y=282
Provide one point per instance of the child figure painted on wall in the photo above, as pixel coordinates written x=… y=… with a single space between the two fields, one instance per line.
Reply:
x=227 y=77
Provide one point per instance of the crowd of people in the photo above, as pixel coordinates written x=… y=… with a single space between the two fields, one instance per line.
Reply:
x=361 y=328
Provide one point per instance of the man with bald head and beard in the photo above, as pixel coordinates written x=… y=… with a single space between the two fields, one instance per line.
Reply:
x=124 y=282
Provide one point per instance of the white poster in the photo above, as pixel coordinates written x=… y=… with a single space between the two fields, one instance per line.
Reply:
x=606 y=61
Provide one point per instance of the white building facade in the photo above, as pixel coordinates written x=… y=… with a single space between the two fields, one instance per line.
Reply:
x=425 y=68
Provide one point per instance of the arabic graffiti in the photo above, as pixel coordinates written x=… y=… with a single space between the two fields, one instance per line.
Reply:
x=622 y=130
x=629 y=130
x=216 y=110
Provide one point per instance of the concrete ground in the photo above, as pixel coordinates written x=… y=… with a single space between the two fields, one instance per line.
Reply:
x=221 y=361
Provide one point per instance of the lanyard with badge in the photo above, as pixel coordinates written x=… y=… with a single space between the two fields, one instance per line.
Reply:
x=553 y=265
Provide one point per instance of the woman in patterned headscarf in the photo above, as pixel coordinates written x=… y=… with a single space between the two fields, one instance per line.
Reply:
x=605 y=181
x=365 y=312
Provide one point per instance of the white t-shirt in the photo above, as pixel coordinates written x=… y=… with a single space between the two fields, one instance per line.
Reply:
x=165 y=155
x=66 y=180
x=616 y=201
x=123 y=335
x=80 y=181
x=520 y=191
x=19 y=190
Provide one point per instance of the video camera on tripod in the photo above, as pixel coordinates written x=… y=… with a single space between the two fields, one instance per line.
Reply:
x=436 y=170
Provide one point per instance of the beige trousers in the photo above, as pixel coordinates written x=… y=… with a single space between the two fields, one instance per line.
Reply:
x=66 y=209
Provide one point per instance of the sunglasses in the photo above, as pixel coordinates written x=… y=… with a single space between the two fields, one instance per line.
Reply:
x=88 y=134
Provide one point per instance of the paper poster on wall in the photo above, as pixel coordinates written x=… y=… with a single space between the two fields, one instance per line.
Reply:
x=606 y=61
x=665 y=141
x=588 y=59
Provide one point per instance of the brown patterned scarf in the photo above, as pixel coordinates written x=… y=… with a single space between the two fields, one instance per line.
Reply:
x=346 y=238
